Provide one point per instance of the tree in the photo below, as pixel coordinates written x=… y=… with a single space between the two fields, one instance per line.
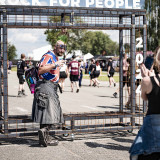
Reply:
x=97 y=42
x=81 y=39
x=153 y=26
x=73 y=36
x=11 y=52
x=127 y=47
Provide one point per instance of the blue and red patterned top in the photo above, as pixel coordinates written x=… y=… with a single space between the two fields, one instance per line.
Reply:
x=53 y=74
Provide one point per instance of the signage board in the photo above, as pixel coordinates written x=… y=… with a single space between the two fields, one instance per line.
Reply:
x=127 y=4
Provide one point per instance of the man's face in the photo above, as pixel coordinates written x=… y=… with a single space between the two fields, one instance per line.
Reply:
x=60 y=49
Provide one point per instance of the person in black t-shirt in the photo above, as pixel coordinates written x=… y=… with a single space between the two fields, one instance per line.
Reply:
x=92 y=67
x=21 y=67
x=111 y=72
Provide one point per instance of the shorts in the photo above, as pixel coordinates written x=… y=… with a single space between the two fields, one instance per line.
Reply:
x=92 y=76
x=21 y=78
x=126 y=80
x=63 y=75
x=111 y=74
x=9 y=68
x=73 y=78
x=96 y=74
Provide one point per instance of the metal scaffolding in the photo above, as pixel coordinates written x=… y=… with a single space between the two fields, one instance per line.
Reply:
x=129 y=20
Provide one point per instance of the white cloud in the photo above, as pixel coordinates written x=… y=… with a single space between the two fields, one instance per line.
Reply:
x=114 y=35
x=26 y=40
x=23 y=37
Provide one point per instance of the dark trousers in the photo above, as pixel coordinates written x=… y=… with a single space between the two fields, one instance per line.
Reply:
x=80 y=80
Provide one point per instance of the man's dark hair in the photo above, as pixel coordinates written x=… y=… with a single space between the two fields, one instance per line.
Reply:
x=74 y=56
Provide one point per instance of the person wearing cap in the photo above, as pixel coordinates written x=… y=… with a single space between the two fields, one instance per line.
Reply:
x=74 y=67
x=46 y=108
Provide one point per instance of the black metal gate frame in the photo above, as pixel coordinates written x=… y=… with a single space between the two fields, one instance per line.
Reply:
x=5 y=23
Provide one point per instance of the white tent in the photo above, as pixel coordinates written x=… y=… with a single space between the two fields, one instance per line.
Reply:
x=38 y=53
x=78 y=54
x=87 y=56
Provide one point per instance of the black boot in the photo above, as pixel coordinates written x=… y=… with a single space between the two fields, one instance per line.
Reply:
x=43 y=137
x=19 y=94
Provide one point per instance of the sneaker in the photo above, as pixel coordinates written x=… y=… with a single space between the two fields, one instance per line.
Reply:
x=137 y=107
x=43 y=137
x=77 y=91
x=52 y=142
x=115 y=94
x=19 y=94
x=127 y=105
x=23 y=93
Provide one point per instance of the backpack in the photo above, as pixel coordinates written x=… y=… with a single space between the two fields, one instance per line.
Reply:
x=31 y=76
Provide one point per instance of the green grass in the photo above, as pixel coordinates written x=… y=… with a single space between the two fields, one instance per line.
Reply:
x=14 y=68
x=103 y=77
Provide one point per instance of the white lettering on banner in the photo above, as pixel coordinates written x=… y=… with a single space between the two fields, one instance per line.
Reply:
x=52 y=2
x=126 y=5
x=119 y=3
x=75 y=3
x=139 y=76
x=36 y=2
x=24 y=2
x=89 y=2
x=111 y=5
x=136 y=4
x=99 y=3
x=139 y=60
x=66 y=3
x=138 y=90
x=13 y=2
x=139 y=45
x=2 y=2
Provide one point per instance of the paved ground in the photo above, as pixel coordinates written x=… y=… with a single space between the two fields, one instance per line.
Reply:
x=108 y=145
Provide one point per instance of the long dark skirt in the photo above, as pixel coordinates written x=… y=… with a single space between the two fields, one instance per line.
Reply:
x=46 y=107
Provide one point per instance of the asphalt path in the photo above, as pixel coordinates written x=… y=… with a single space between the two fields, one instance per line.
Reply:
x=99 y=146
x=89 y=99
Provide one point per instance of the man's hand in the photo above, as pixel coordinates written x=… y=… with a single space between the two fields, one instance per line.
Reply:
x=60 y=62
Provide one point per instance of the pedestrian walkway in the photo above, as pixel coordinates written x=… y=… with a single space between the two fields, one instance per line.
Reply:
x=98 y=146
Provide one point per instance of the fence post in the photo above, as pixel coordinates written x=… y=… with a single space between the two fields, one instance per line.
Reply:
x=133 y=57
x=0 y=73
x=121 y=67
x=5 y=75
x=144 y=51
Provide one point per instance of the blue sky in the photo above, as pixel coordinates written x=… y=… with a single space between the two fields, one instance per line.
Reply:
x=26 y=40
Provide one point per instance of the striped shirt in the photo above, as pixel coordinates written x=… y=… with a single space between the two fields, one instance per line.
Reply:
x=53 y=74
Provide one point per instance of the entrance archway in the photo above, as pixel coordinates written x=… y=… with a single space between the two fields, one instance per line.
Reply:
x=96 y=19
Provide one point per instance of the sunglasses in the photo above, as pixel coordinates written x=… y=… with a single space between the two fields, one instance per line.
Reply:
x=62 y=46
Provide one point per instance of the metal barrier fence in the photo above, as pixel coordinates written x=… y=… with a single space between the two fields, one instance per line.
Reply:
x=130 y=23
